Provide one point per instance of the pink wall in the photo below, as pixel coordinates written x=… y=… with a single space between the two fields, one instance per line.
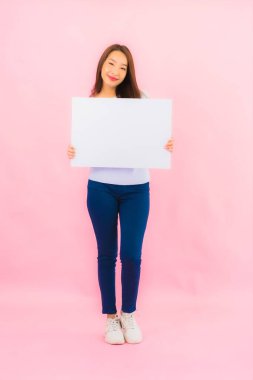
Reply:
x=199 y=53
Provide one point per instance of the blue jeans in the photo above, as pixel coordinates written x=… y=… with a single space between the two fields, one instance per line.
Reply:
x=131 y=202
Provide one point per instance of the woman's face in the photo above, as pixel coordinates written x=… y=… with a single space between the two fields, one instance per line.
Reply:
x=114 y=68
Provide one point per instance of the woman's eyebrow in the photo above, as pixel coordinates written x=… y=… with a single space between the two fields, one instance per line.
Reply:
x=123 y=64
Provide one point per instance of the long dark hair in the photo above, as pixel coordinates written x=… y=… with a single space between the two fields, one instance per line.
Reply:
x=128 y=88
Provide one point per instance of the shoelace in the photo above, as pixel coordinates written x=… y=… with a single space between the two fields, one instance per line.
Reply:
x=113 y=324
x=129 y=321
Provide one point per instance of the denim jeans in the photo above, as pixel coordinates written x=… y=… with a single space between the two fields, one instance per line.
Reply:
x=105 y=202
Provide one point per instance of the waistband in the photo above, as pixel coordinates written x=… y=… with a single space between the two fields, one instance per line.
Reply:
x=109 y=186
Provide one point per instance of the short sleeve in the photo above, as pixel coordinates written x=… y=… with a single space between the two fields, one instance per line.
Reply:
x=144 y=94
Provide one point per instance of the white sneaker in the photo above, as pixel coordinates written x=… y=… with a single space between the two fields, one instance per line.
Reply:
x=113 y=332
x=130 y=328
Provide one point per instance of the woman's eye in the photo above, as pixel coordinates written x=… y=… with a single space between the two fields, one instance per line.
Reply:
x=110 y=63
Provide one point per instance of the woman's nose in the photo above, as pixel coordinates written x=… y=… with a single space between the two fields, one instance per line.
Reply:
x=115 y=71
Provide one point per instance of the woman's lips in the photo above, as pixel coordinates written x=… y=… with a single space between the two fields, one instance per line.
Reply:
x=112 y=78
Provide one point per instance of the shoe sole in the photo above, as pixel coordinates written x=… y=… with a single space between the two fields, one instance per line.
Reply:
x=117 y=342
x=133 y=342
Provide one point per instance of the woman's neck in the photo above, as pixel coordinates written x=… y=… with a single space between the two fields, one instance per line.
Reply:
x=103 y=95
x=107 y=92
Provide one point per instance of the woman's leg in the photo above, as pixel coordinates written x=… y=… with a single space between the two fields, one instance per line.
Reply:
x=103 y=211
x=133 y=211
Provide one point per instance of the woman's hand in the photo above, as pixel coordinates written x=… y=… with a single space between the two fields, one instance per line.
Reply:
x=71 y=152
x=169 y=145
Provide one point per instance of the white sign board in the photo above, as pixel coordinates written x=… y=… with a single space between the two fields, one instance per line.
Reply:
x=121 y=132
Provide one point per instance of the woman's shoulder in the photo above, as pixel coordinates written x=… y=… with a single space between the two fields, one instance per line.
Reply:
x=144 y=94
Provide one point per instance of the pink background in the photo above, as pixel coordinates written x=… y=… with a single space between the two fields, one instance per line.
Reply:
x=195 y=297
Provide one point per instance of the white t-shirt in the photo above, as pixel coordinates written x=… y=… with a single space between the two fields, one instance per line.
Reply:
x=121 y=176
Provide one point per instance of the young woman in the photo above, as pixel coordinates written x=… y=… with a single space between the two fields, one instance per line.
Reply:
x=118 y=191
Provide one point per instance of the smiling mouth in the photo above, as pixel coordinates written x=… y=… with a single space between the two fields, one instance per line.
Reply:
x=112 y=78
